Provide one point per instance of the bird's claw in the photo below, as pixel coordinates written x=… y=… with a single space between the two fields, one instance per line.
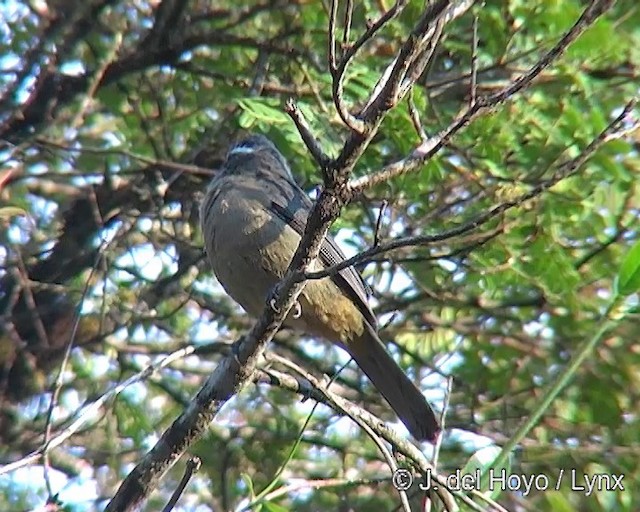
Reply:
x=296 y=308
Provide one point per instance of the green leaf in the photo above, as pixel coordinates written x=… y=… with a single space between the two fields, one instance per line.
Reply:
x=628 y=280
x=274 y=507
x=263 y=110
x=482 y=461
x=246 y=478
x=558 y=501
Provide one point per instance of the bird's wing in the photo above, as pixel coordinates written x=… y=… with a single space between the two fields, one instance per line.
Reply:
x=292 y=205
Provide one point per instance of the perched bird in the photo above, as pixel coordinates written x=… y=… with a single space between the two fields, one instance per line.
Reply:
x=252 y=218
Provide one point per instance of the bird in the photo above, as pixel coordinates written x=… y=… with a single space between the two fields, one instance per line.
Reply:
x=253 y=216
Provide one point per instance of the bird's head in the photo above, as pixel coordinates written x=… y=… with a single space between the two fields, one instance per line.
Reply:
x=258 y=152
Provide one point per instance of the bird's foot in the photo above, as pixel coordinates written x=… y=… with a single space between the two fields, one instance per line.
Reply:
x=297 y=310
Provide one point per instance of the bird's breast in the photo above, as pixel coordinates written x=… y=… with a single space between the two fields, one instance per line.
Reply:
x=248 y=247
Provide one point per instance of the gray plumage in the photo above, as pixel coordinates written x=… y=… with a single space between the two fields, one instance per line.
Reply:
x=252 y=219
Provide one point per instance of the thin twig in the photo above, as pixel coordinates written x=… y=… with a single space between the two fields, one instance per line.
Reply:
x=191 y=468
x=88 y=413
x=373 y=426
x=474 y=63
x=381 y=212
x=348 y=19
x=187 y=168
x=338 y=70
x=422 y=41
x=438 y=445
x=415 y=117
x=96 y=79
x=333 y=19
x=57 y=386
x=305 y=132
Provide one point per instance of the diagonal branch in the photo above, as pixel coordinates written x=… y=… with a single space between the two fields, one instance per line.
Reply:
x=233 y=372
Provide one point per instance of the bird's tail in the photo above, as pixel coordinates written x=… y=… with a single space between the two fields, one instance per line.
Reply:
x=403 y=396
